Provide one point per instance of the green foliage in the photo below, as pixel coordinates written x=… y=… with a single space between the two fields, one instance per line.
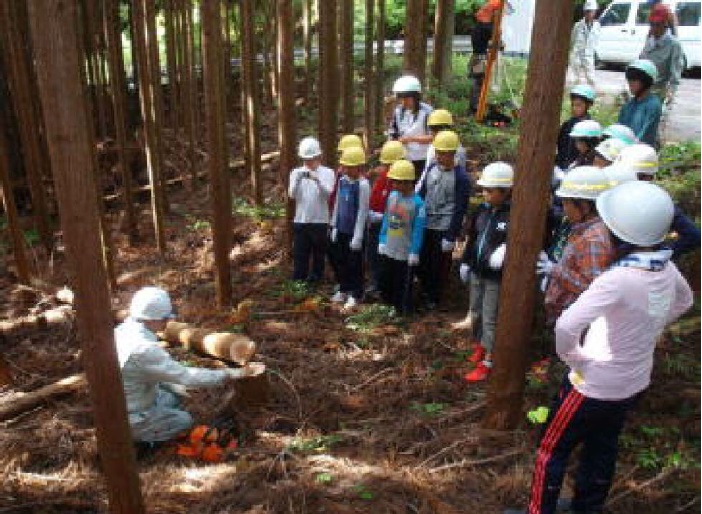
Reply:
x=428 y=409
x=363 y=492
x=271 y=210
x=199 y=225
x=681 y=365
x=370 y=317
x=676 y=158
x=294 y=289
x=656 y=448
x=324 y=478
x=317 y=444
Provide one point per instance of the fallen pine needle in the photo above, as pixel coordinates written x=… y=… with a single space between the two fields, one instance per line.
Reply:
x=475 y=462
x=643 y=485
x=372 y=379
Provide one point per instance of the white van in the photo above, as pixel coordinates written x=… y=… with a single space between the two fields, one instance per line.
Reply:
x=624 y=26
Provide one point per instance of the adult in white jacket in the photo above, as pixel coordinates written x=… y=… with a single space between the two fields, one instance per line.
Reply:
x=583 y=41
x=151 y=377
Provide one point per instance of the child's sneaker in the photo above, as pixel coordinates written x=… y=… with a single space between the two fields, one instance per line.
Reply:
x=338 y=297
x=478 y=353
x=480 y=373
x=350 y=303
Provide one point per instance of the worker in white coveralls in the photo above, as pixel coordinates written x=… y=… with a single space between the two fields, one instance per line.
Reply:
x=149 y=374
x=583 y=41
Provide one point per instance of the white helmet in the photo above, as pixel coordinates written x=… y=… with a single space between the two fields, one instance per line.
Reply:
x=309 y=148
x=586 y=128
x=583 y=182
x=639 y=213
x=618 y=174
x=407 y=84
x=641 y=158
x=151 y=304
x=621 y=132
x=497 y=174
x=590 y=5
x=610 y=148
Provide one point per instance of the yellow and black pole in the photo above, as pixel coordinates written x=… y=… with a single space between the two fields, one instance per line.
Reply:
x=491 y=60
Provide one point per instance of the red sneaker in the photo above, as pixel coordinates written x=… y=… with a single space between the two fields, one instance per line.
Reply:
x=478 y=353
x=480 y=373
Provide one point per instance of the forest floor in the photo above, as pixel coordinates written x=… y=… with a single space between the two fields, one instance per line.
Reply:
x=367 y=414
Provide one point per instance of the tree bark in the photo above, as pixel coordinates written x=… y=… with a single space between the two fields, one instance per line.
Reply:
x=444 y=24
x=380 y=70
x=540 y=115
x=251 y=99
x=370 y=83
x=58 y=65
x=415 y=39
x=220 y=188
x=189 y=99
x=348 y=98
x=307 y=47
x=328 y=80
x=171 y=64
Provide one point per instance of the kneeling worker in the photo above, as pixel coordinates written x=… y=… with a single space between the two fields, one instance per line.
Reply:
x=149 y=372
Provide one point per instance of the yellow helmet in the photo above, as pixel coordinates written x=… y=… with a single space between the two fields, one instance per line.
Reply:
x=348 y=141
x=353 y=156
x=401 y=170
x=446 y=141
x=440 y=117
x=391 y=152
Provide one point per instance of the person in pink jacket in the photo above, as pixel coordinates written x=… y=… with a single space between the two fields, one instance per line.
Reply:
x=607 y=338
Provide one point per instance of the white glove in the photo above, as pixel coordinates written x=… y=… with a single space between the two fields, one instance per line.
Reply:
x=544 y=265
x=497 y=258
x=413 y=259
x=375 y=217
x=333 y=235
x=382 y=249
x=356 y=244
x=464 y=272
x=447 y=246
x=252 y=369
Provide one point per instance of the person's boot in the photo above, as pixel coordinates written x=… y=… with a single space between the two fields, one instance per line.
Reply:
x=478 y=353
x=479 y=374
x=563 y=505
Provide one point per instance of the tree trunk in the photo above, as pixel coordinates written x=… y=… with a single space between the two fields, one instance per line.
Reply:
x=348 y=98
x=307 y=48
x=491 y=60
x=286 y=105
x=444 y=23
x=147 y=97
x=540 y=118
x=251 y=98
x=171 y=64
x=58 y=64
x=220 y=187
x=189 y=92
x=113 y=37
x=380 y=70
x=328 y=81
x=20 y=78
x=370 y=82
x=415 y=39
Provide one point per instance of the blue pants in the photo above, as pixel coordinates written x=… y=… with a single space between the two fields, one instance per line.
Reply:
x=573 y=419
x=309 y=241
x=348 y=265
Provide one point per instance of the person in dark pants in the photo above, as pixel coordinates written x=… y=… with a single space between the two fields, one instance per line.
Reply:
x=581 y=99
x=607 y=338
x=401 y=238
x=310 y=187
x=348 y=227
x=445 y=191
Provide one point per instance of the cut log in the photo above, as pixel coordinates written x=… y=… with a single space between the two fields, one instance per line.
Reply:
x=27 y=401
x=249 y=392
x=231 y=347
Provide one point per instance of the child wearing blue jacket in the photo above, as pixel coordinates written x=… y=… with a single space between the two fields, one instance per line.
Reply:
x=401 y=237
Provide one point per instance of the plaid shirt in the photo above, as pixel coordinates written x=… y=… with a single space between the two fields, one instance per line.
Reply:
x=589 y=252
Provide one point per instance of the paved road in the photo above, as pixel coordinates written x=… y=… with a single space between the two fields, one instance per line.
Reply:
x=683 y=122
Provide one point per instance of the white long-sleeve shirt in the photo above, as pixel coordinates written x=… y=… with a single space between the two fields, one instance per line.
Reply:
x=311 y=197
x=624 y=312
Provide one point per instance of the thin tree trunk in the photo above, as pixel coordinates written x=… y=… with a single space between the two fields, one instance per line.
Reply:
x=415 y=39
x=346 y=57
x=307 y=47
x=380 y=70
x=171 y=63
x=540 y=117
x=369 y=74
x=117 y=79
x=328 y=81
x=189 y=100
x=56 y=45
x=20 y=78
x=444 y=22
x=251 y=99
x=217 y=148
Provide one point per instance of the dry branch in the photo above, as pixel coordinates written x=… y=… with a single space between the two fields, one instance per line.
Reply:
x=26 y=401
x=475 y=462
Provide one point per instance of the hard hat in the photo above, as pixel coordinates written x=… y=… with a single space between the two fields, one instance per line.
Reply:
x=586 y=128
x=353 y=156
x=590 y=5
x=440 y=117
x=497 y=174
x=446 y=141
x=646 y=66
x=151 y=304
x=610 y=148
x=621 y=132
x=392 y=151
x=659 y=14
x=618 y=174
x=637 y=212
x=584 y=91
x=641 y=158
x=584 y=182
x=407 y=84
x=348 y=141
x=402 y=170
x=309 y=148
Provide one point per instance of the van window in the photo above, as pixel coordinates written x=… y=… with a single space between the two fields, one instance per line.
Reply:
x=642 y=14
x=688 y=14
x=617 y=14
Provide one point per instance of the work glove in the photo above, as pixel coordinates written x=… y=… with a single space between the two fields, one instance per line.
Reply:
x=544 y=265
x=382 y=249
x=497 y=258
x=375 y=217
x=356 y=244
x=333 y=235
x=252 y=369
x=464 y=272
x=447 y=246
x=413 y=259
